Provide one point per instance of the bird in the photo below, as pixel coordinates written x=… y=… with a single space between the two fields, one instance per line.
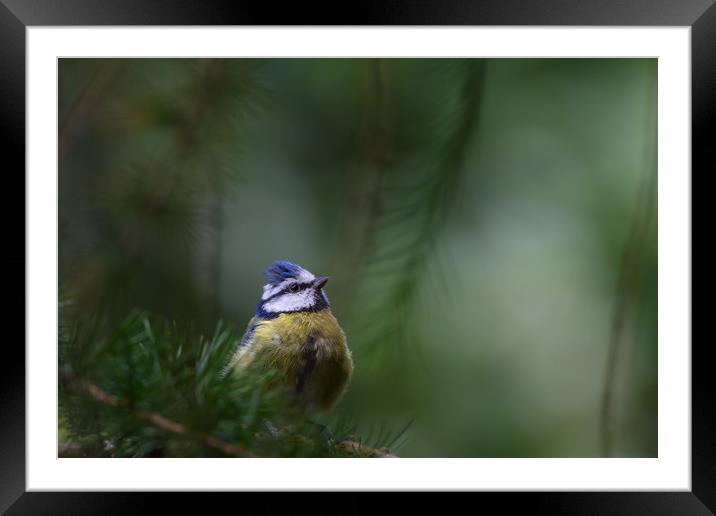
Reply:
x=294 y=333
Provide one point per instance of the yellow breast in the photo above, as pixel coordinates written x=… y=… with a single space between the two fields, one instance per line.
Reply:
x=310 y=351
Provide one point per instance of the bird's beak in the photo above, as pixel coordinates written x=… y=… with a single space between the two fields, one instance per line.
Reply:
x=320 y=281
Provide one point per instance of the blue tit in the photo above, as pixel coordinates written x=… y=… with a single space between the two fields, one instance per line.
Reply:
x=295 y=333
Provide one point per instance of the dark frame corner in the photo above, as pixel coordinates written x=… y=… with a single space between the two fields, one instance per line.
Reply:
x=700 y=15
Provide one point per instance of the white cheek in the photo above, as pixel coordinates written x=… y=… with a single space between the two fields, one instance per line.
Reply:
x=290 y=302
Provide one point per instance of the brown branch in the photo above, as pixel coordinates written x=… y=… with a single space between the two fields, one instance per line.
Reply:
x=68 y=448
x=156 y=419
x=350 y=445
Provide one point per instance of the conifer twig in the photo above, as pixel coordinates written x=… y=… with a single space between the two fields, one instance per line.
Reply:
x=352 y=446
x=156 y=419
x=349 y=445
x=102 y=78
x=374 y=160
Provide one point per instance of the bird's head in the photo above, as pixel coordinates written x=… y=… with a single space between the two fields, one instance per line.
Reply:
x=291 y=288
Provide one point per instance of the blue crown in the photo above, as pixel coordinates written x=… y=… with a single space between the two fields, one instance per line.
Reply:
x=282 y=270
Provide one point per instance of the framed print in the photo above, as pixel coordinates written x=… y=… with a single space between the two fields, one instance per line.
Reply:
x=440 y=249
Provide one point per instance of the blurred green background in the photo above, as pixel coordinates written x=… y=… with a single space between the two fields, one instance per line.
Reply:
x=489 y=227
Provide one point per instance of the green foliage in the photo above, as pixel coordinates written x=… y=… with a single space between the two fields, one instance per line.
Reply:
x=164 y=143
x=413 y=211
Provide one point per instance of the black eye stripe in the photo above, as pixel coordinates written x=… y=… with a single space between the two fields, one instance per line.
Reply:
x=285 y=290
x=301 y=286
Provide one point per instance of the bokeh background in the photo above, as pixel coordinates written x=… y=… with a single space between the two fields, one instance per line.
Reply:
x=489 y=227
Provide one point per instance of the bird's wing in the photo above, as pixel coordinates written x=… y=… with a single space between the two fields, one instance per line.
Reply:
x=250 y=329
x=243 y=345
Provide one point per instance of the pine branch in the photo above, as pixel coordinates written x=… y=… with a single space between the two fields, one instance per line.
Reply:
x=417 y=215
x=103 y=77
x=350 y=445
x=161 y=204
x=163 y=180
x=156 y=419
x=375 y=159
x=65 y=449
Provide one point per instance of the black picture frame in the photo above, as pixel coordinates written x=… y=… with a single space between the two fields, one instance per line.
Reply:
x=16 y=15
